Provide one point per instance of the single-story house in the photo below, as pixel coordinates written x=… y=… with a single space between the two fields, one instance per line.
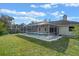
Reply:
x=61 y=27
x=16 y=28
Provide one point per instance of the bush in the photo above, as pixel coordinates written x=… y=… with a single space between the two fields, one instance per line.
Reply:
x=1 y=33
x=3 y=28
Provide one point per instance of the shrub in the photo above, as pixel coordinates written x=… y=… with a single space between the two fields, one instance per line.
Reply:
x=3 y=28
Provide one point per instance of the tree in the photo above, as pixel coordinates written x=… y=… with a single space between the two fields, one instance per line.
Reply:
x=2 y=28
x=7 y=20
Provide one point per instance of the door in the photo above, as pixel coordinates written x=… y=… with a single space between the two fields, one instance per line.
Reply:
x=54 y=30
x=51 y=30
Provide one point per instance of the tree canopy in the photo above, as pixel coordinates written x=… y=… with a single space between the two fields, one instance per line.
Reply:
x=5 y=23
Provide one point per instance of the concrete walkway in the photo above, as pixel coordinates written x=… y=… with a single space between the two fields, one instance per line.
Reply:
x=43 y=37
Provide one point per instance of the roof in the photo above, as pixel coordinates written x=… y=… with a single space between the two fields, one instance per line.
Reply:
x=63 y=22
x=38 y=23
x=60 y=22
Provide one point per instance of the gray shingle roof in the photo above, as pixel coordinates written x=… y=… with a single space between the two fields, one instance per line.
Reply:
x=60 y=22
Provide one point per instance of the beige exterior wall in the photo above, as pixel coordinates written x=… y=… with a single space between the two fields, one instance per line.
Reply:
x=61 y=30
x=64 y=31
x=43 y=29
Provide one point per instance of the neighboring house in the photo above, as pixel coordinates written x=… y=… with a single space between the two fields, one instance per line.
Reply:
x=11 y=26
x=22 y=28
x=16 y=28
x=61 y=27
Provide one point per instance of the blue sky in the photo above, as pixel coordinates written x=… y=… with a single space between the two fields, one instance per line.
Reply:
x=27 y=12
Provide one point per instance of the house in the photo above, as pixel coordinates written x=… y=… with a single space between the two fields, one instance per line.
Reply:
x=16 y=28
x=61 y=27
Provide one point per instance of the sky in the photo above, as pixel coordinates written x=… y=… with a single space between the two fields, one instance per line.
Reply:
x=27 y=12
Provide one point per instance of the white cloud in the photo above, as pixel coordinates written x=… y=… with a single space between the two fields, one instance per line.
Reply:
x=70 y=18
x=27 y=18
x=55 y=5
x=62 y=12
x=12 y=12
x=23 y=13
x=7 y=11
x=46 y=6
x=55 y=13
x=32 y=19
x=20 y=13
x=58 y=14
x=51 y=5
x=72 y=4
x=33 y=6
x=36 y=13
x=42 y=6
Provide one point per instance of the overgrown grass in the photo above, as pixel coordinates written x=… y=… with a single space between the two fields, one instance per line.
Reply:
x=21 y=45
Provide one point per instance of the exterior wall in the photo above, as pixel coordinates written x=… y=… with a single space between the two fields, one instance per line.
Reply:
x=61 y=30
x=64 y=31
x=54 y=29
x=32 y=28
x=43 y=29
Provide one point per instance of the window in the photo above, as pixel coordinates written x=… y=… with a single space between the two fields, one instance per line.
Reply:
x=71 y=28
x=45 y=29
x=39 y=29
x=51 y=30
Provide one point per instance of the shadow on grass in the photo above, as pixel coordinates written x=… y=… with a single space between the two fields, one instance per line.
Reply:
x=76 y=38
x=59 y=45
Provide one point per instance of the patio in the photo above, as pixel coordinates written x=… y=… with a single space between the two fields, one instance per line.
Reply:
x=43 y=37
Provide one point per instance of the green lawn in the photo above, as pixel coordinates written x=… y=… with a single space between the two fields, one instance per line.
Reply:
x=21 y=45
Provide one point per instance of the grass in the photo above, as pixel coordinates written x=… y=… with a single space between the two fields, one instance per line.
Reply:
x=17 y=45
